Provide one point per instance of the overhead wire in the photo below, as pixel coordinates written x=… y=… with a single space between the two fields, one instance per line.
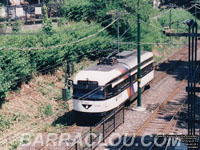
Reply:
x=61 y=45
x=52 y=67
x=132 y=43
x=68 y=29
x=48 y=69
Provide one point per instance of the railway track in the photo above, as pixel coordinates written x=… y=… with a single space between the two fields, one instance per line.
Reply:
x=157 y=123
x=164 y=116
x=161 y=69
x=160 y=122
x=178 y=56
x=70 y=140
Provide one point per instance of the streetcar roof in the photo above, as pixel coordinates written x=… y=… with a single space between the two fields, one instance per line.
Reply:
x=105 y=73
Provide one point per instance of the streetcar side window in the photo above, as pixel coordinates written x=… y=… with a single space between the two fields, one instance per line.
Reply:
x=126 y=83
x=146 y=70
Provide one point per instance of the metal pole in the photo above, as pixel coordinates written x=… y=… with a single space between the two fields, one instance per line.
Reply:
x=118 y=31
x=138 y=56
x=66 y=90
x=123 y=115
x=192 y=84
x=189 y=93
x=177 y=26
x=91 y=137
x=76 y=146
x=7 y=9
x=195 y=11
x=103 y=131
x=114 y=120
x=15 y=12
x=170 y=18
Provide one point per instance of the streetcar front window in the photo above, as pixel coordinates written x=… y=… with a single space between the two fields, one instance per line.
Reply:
x=88 y=92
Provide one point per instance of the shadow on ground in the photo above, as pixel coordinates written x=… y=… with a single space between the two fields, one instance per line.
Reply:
x=70 y=118
x=178 y=69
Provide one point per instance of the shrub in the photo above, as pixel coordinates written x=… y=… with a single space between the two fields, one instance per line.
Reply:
x=3 y=28
x=47 y=26
x=48 y=110
x=61 y=22
x=16 y=65
x=178 y=16
x=16 y=26
x=77 y=10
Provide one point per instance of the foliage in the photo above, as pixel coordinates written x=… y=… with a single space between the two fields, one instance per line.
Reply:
x=14 y=145
x=48 y=110
x=77 y=10
x=178 y=17
x=3 y=28
x=17 y=66
x=16 y=26
x=105 y=9
x=7 y=120
x=61 y=22
x=46 y=22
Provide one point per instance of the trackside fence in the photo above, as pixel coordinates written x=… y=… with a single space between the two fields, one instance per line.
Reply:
x=98 y=133
x=30 y=13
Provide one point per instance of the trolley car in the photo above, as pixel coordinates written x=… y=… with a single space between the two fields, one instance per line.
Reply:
x=112 y=82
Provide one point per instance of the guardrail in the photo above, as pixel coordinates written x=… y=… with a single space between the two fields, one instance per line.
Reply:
x=101 y=131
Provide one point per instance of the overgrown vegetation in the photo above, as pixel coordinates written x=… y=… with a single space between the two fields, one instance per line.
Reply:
x=7 y=120
x=46 y=22
x=16 y=26
x=18 y=64
x=84 y=18
x=14 y=145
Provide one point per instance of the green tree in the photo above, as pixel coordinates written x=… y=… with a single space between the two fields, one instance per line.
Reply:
x=47 y=26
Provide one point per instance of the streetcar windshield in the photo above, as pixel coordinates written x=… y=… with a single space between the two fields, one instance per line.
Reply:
x=88 y=92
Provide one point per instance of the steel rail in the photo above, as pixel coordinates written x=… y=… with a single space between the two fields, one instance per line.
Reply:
x=139 y=131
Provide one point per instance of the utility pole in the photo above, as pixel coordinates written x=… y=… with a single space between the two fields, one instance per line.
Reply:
x=170 y=18
x=118 y=14
x=139 y=55
x=118 y=31
x=69 y=70
x=195 y=10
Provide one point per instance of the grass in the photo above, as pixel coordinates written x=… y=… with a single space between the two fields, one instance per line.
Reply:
x=158 y=58
x=48 y=110
x=14 y=145
x=48 y=89
x=7 y=120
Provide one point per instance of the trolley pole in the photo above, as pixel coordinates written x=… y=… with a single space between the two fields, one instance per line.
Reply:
x=139 y=55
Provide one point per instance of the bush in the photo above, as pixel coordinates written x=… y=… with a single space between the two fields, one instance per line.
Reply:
x=178 y=16
x=77 y=10
x=61 y=22
x=47 y=26
x=3 y=28
x=16 y=65
x=16 y=26
x=48 y=110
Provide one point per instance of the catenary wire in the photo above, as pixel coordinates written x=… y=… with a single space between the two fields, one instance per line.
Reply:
x=62 y=45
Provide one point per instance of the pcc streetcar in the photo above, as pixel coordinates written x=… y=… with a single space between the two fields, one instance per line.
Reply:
x=109 y=84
